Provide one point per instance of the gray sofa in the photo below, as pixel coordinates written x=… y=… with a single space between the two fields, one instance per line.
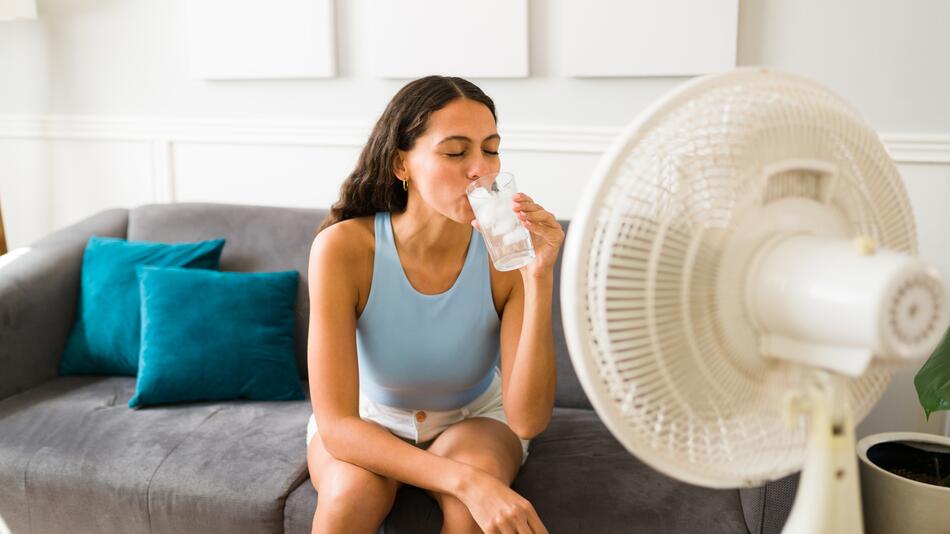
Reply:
x=74 y=458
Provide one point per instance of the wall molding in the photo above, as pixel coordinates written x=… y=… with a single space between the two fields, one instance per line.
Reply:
x=164 y=133
x=918 y=148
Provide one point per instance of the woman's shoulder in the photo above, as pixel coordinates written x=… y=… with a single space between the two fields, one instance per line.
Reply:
x=347 y=240
x=358 y=230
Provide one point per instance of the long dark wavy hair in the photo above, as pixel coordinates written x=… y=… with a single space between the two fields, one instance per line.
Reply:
x=372 y=186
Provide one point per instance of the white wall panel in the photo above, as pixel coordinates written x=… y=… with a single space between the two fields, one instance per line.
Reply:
x=230 y=39
x=24 y=190
x=469 y=38
x=86 y=177
x=649 y=37
x=300 y=176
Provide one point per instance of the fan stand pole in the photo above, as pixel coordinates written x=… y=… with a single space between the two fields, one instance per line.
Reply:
x=828 y=500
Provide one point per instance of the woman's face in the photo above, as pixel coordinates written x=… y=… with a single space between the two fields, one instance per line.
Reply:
x=459 y=145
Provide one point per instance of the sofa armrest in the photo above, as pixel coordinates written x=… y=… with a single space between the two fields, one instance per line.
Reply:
x=39 y=287
x=766 y=508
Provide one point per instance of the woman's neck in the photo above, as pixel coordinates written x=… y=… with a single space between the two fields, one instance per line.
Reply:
x=429 y=236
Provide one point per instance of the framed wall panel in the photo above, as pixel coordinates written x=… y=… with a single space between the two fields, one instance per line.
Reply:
x=470 y=38
x=253 y=39
x=606 y=38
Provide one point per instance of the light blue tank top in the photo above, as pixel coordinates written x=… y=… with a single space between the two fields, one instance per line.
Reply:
x=426 y=352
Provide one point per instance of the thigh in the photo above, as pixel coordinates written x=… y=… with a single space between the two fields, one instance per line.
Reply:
x=487 y=444
x=320 y=462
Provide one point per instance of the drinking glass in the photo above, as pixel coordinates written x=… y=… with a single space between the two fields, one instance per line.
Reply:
x=508 y=241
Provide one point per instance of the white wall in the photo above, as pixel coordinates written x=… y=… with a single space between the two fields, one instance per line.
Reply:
x=97 y=110
x=128 y=57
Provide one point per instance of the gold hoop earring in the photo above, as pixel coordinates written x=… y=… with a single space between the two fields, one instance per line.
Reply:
x=405 y=184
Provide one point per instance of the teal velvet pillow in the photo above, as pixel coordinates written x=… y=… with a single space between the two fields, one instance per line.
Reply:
x=209 y=335
x=104 y=339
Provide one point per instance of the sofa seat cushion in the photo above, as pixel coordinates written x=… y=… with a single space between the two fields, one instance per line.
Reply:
x=75 y=458
x=580 y=479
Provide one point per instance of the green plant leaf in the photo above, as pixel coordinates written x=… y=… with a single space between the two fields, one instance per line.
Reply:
x=933 y=379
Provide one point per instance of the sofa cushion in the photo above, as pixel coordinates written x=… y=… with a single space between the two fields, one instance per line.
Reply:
x=105 y=337
x=208 y=335
x=579 y=479
x=260 y=238
x=87 y=463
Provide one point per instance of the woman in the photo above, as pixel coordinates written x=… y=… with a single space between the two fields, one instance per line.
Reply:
x=409 y=319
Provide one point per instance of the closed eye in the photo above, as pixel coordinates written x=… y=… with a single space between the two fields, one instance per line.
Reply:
x=460 y=154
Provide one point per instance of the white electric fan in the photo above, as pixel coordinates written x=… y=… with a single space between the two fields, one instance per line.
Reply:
x=739 y=282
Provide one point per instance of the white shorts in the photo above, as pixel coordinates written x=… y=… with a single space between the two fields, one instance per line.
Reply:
x=406 y=424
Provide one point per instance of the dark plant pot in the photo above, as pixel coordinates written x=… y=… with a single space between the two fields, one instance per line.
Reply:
x=894 y=502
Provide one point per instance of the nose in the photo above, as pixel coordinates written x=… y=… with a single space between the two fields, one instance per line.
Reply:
x=481 y=167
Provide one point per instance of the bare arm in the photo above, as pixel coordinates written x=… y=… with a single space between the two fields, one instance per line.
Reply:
x=529 y=364
x=334 y=378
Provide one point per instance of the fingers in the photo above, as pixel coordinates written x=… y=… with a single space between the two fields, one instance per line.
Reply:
x=534 y=525
x=535 y=216
x=523 y=202
x=530 y=524
x=537 y=220
x=529 y=211
x=538 y=217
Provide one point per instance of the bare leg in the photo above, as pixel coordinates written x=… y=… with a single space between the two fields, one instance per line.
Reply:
x=350 y=499
x=485 y=443
x=456 y=519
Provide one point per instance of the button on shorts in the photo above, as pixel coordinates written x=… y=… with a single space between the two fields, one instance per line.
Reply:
x=420 y=427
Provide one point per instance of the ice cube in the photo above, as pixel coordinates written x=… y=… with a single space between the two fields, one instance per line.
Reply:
x=479 y=193
x=514 y=236
x=485 y=215
x=504 y=223
x=478 y=204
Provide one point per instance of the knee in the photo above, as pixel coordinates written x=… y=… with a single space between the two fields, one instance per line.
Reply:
x=347 y=487
x=489 y=463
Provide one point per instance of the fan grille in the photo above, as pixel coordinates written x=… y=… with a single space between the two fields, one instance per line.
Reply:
x=688 y=403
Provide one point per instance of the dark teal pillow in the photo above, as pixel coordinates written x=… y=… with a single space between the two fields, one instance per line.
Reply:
x=209 y=335
x=104 y=339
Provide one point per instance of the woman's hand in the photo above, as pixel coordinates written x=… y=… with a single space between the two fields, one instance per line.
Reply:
x=498 y=509
x=547 y=236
